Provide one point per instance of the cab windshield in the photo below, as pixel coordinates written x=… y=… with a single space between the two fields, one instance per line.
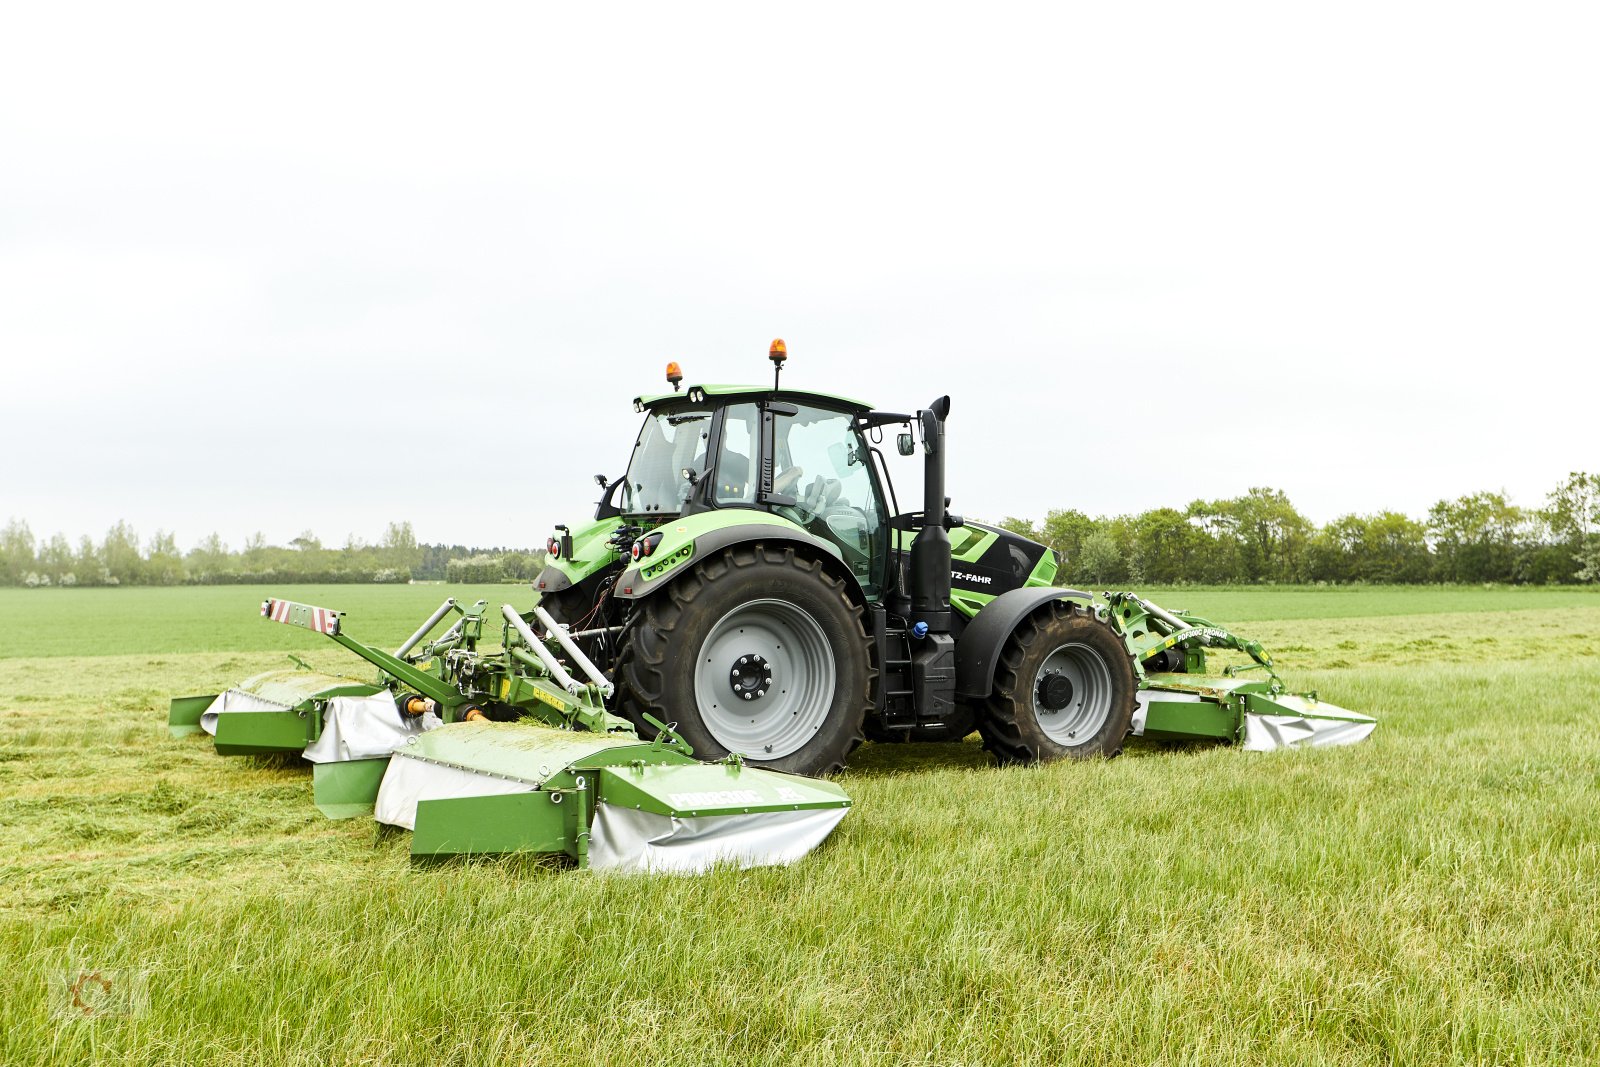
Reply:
x=669 y=444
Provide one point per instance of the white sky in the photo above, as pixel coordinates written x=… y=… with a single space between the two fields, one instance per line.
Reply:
x=273 y=267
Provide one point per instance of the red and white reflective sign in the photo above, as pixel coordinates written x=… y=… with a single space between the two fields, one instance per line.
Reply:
x=322 y=620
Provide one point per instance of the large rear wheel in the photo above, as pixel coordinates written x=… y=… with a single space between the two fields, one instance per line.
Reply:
x=1065 y=688
x=757 y=651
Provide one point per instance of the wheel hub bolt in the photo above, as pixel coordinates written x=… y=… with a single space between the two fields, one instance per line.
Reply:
x=750 y=677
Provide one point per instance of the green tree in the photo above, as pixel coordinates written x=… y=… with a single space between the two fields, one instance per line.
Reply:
x=1101 y=561
x=1067 y=530
x=399 y=550
x=119 y=554
x=1476 y=538
x=208 y=560
x=1572 y=512
x=307 y=542
x=91 y=570
x=57 y=560
x=475 y=569
x=163 y=564
x=1396 y=549
x=1332 y=550
x=1166 y=546
x=17 y=548
x=1222 y=561
x=254 y=554
x=1272 y=535
x=1259 y=537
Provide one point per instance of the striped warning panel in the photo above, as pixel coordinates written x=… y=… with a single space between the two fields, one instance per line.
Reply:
x=306 y=616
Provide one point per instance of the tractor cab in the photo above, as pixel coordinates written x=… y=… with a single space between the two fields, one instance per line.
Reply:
x=802 y=456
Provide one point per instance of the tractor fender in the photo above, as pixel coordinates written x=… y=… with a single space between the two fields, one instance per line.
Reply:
x=669 y=560
x=978 y=649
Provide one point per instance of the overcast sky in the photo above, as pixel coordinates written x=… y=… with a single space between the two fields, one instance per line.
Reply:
x=277 y=267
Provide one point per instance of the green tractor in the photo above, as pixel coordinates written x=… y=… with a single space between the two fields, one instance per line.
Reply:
x=752 y=579
x=747 y=606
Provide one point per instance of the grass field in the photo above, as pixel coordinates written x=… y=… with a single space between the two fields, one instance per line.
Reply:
x=1431 y=896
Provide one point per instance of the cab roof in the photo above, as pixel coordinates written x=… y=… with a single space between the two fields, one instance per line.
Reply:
x=829 y=399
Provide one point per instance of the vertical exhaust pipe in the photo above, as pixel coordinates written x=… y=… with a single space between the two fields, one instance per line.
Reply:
x=930 y=552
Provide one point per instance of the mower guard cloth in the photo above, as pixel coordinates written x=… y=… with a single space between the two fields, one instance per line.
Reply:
x=365 y=728
x=1290 y=721
x=629 y=840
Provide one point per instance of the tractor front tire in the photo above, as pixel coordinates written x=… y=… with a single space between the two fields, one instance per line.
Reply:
x=757 y=650
x=1065 y=688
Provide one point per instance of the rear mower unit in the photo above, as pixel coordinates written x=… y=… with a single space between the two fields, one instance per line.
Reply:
x=751 y=580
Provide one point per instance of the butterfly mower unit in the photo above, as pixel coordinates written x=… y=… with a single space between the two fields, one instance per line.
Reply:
x=747 y=606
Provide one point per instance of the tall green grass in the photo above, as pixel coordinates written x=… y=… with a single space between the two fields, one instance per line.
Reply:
x=220 y=618
x=1430 y=896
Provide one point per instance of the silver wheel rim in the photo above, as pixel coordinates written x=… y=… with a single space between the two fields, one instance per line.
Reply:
x=1090 y=706
x=803 y=676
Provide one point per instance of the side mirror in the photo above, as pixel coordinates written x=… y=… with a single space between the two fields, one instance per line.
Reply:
x=930 y=430
x=905 y=445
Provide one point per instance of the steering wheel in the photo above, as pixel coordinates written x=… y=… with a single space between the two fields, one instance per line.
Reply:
x=811 y=503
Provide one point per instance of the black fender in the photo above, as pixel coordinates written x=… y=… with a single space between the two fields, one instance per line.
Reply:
x=633 y=585
x=978 y=650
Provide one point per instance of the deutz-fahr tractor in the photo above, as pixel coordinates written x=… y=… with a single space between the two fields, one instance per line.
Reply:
x=752 y=579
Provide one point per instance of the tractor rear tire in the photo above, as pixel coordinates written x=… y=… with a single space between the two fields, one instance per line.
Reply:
x=757 y=650
x=1065 y=688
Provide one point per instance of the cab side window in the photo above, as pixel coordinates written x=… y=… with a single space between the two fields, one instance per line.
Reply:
x=736 y=460
x=822 y=461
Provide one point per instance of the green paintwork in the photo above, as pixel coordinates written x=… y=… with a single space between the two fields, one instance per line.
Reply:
x=1300 y=704
x=184 y=716
x=259 y=733
x=680 y=533
x=1173 y=720
x=663 y=562
x=513 y=822
x=1146 y=634
x=542 y=699
x=348 y=789
x=690 y=789
x=423 y=682
x=801 y=395
x=590 y=553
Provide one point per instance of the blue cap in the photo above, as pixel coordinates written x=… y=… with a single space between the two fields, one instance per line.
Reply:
x=920 y=630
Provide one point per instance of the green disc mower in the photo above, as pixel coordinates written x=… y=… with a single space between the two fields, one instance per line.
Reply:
x=748 y=604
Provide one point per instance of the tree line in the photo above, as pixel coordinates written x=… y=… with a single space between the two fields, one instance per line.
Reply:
x=1261 y=537
x=1257 y=537
x=121 y=557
